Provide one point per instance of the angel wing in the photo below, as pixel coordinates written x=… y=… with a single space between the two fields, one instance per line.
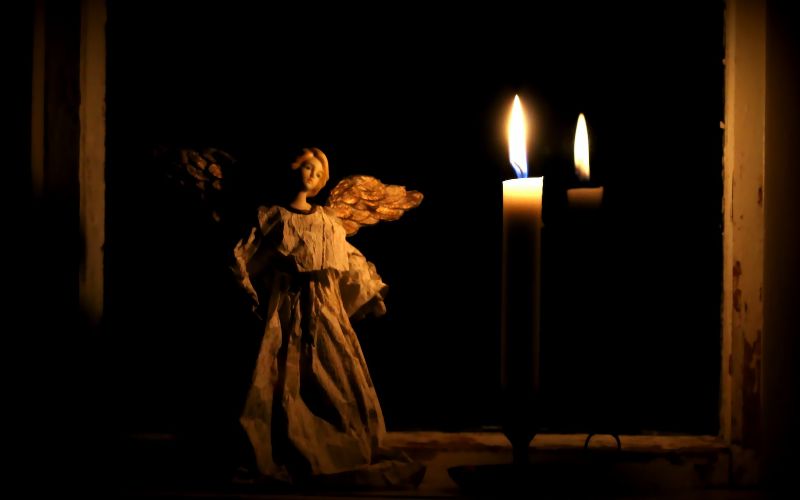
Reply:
x=202 y=174
x=361 y=200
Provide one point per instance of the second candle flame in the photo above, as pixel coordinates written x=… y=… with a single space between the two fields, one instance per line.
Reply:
x=581 y=149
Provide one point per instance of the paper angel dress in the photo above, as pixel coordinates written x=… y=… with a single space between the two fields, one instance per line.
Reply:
x=312 y=410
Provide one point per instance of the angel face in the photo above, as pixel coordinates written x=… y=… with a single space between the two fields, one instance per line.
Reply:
x=311 y=172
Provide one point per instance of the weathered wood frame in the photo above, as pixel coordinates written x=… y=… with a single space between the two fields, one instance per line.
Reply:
x=743 y=233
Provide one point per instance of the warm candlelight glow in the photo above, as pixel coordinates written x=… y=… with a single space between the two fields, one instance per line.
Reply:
x=517 y=135
x=581 y=150
x=523 y=195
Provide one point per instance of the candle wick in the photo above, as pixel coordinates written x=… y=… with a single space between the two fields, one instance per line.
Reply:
x=518 y=170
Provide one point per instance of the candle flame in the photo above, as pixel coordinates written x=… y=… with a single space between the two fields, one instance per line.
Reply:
x=581 y=151
x=517 y=153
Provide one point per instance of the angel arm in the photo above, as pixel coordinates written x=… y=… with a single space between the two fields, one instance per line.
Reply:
x=361 y=200
x=252 y=256
x=357 y=201
x=362 y=288
x=243 y=253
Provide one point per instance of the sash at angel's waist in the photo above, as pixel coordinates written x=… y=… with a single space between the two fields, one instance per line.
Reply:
x=298 y=281
x=298 y=261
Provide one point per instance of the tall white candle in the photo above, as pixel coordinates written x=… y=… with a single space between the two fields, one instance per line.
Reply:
x=522 y=224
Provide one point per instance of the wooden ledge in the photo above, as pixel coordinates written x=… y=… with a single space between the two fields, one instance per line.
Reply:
x=646 y=462
x=496 y=441
x=666 y=462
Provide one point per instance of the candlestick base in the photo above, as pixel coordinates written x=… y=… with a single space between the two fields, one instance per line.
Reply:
x=593 y=434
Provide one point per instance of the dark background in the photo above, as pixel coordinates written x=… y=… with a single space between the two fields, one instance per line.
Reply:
x=419 y=97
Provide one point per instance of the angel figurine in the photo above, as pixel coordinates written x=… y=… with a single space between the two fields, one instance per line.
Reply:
x=312 y=410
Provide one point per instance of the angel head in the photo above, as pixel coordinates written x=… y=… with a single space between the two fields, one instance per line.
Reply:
x=312 y=167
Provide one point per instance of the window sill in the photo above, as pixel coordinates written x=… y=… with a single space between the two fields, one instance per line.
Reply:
x=645 y=465
x=668 y=463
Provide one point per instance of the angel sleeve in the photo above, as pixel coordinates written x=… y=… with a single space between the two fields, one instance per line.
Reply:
x=361 y=200
x=362 y=289
x=252 y=256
